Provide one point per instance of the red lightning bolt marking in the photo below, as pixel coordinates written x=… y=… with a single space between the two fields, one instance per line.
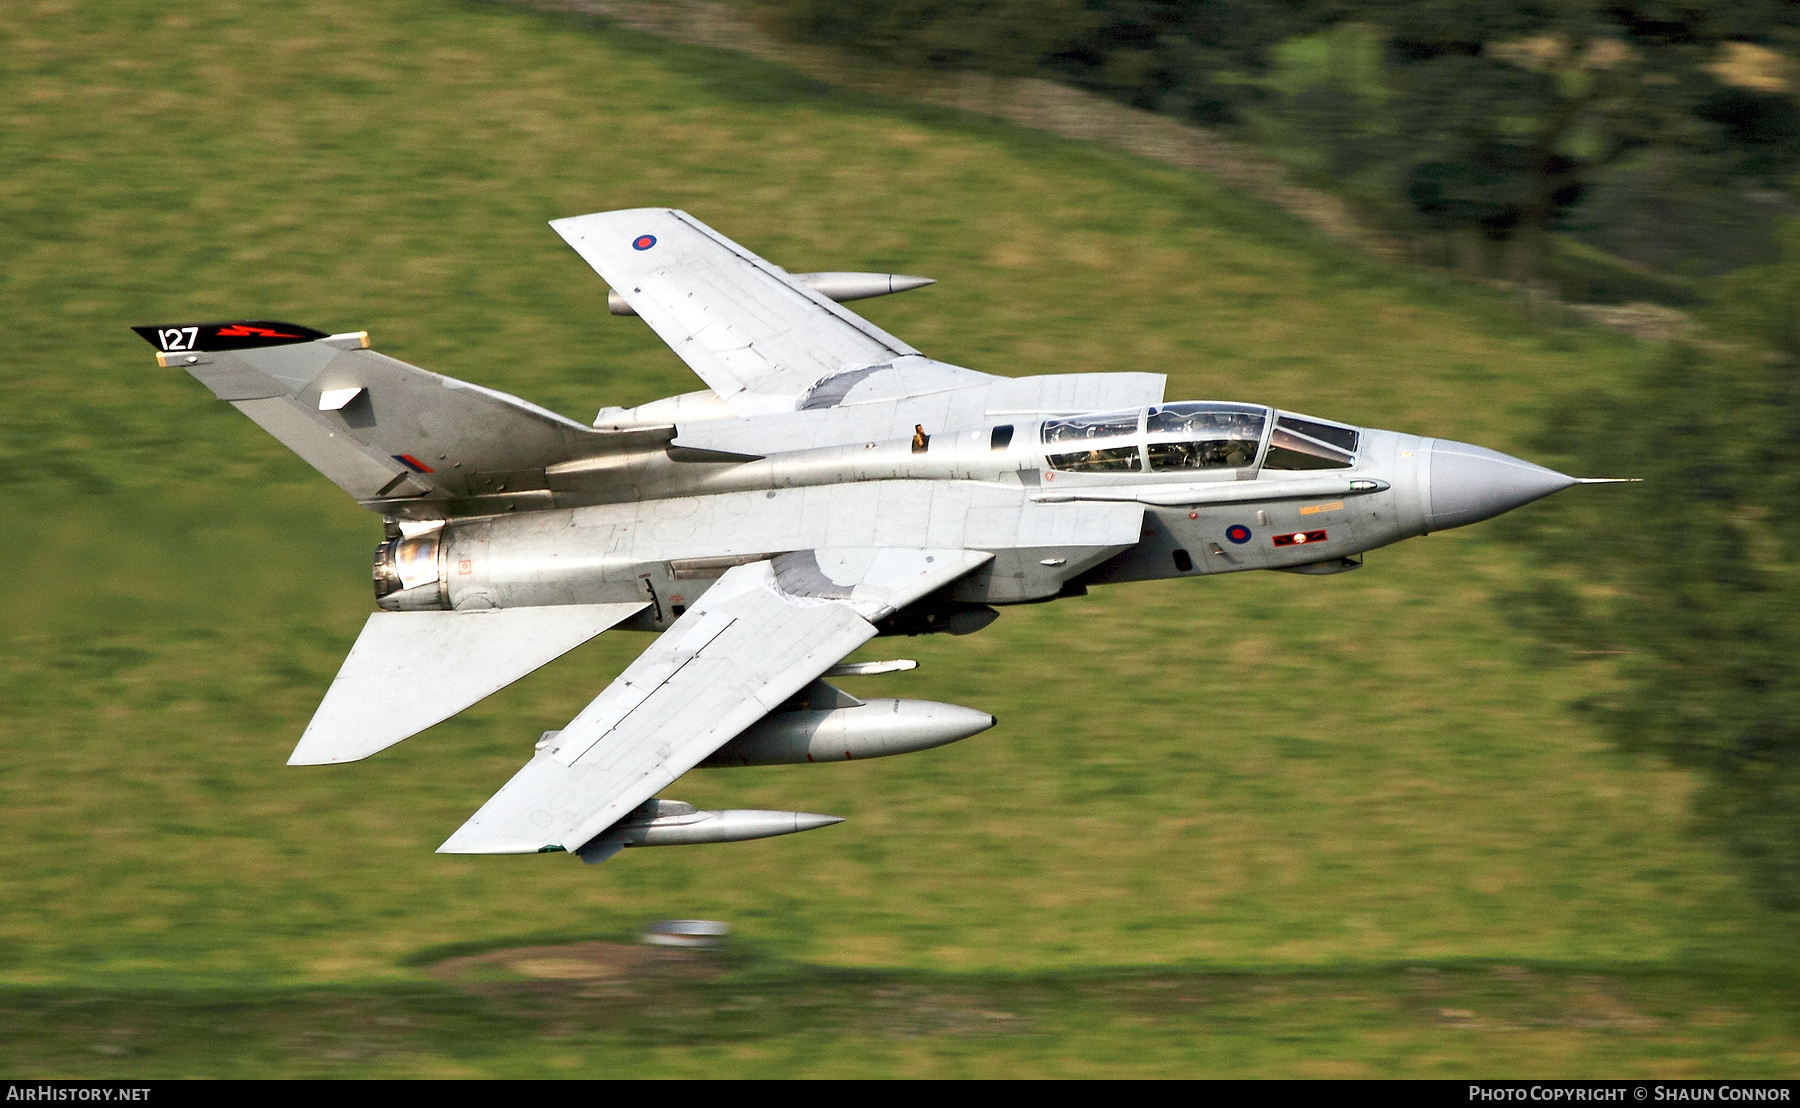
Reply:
x=241 y=331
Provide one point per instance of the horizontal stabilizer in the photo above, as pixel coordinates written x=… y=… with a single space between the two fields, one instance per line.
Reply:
x=410 y=670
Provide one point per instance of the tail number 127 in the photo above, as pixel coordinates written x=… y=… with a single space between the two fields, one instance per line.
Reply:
x=178 y=338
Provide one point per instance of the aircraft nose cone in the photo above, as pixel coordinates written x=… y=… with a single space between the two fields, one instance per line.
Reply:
x=1471 y=483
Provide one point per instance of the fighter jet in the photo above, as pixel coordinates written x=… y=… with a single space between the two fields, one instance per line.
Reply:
x=831 y=484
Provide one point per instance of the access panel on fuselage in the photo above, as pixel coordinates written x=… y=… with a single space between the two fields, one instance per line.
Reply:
x=1299 y=532
x=1183 y=542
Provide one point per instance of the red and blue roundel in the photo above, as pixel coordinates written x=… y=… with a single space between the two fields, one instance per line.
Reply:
x=643 y=242
x=1238 y=533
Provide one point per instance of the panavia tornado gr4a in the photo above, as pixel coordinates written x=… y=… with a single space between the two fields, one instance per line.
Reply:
x=831 y=484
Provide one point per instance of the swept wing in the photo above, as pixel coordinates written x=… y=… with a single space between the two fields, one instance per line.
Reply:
x=757 y=335
x=754 y=639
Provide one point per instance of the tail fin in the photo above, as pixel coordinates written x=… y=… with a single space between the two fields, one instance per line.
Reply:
x=241 y=334
x=400 y=439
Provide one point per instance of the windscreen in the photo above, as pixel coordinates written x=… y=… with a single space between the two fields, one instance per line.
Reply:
x=1303 y=443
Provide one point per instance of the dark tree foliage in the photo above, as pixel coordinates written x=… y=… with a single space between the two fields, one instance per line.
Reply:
x=1497 y=118
x=1009 y=37
x=1184 y=57
x=1691 y=581
x=1192 y=59
x=1511 y=111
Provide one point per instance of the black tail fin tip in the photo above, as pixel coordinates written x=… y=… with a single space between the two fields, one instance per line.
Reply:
x=240 y=334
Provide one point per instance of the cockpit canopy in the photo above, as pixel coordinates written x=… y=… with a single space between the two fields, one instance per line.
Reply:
x=1195 y=436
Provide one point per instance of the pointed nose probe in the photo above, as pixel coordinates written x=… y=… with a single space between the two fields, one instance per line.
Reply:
x=1471 y=483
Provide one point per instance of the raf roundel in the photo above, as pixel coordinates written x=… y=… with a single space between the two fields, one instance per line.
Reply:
x=643 y=242
x=1238 y=533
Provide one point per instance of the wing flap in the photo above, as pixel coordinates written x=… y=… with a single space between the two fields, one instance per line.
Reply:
x=411 y=670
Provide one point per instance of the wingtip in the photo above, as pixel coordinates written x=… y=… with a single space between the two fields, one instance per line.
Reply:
x=479 y=835
x=461 y=843
x=311 y=751
x=300 y=757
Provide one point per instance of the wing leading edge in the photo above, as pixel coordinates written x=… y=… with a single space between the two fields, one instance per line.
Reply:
x=751 y=641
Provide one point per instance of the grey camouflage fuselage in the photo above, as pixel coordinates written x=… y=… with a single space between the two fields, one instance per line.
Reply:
x=674 y=526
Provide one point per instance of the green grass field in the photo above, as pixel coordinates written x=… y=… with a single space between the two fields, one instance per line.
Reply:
x=1332 y=810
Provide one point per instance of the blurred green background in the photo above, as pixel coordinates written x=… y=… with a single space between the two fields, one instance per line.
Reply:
x=1288 y=795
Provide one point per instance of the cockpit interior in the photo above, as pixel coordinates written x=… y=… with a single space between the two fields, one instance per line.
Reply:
x=1208 y=435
